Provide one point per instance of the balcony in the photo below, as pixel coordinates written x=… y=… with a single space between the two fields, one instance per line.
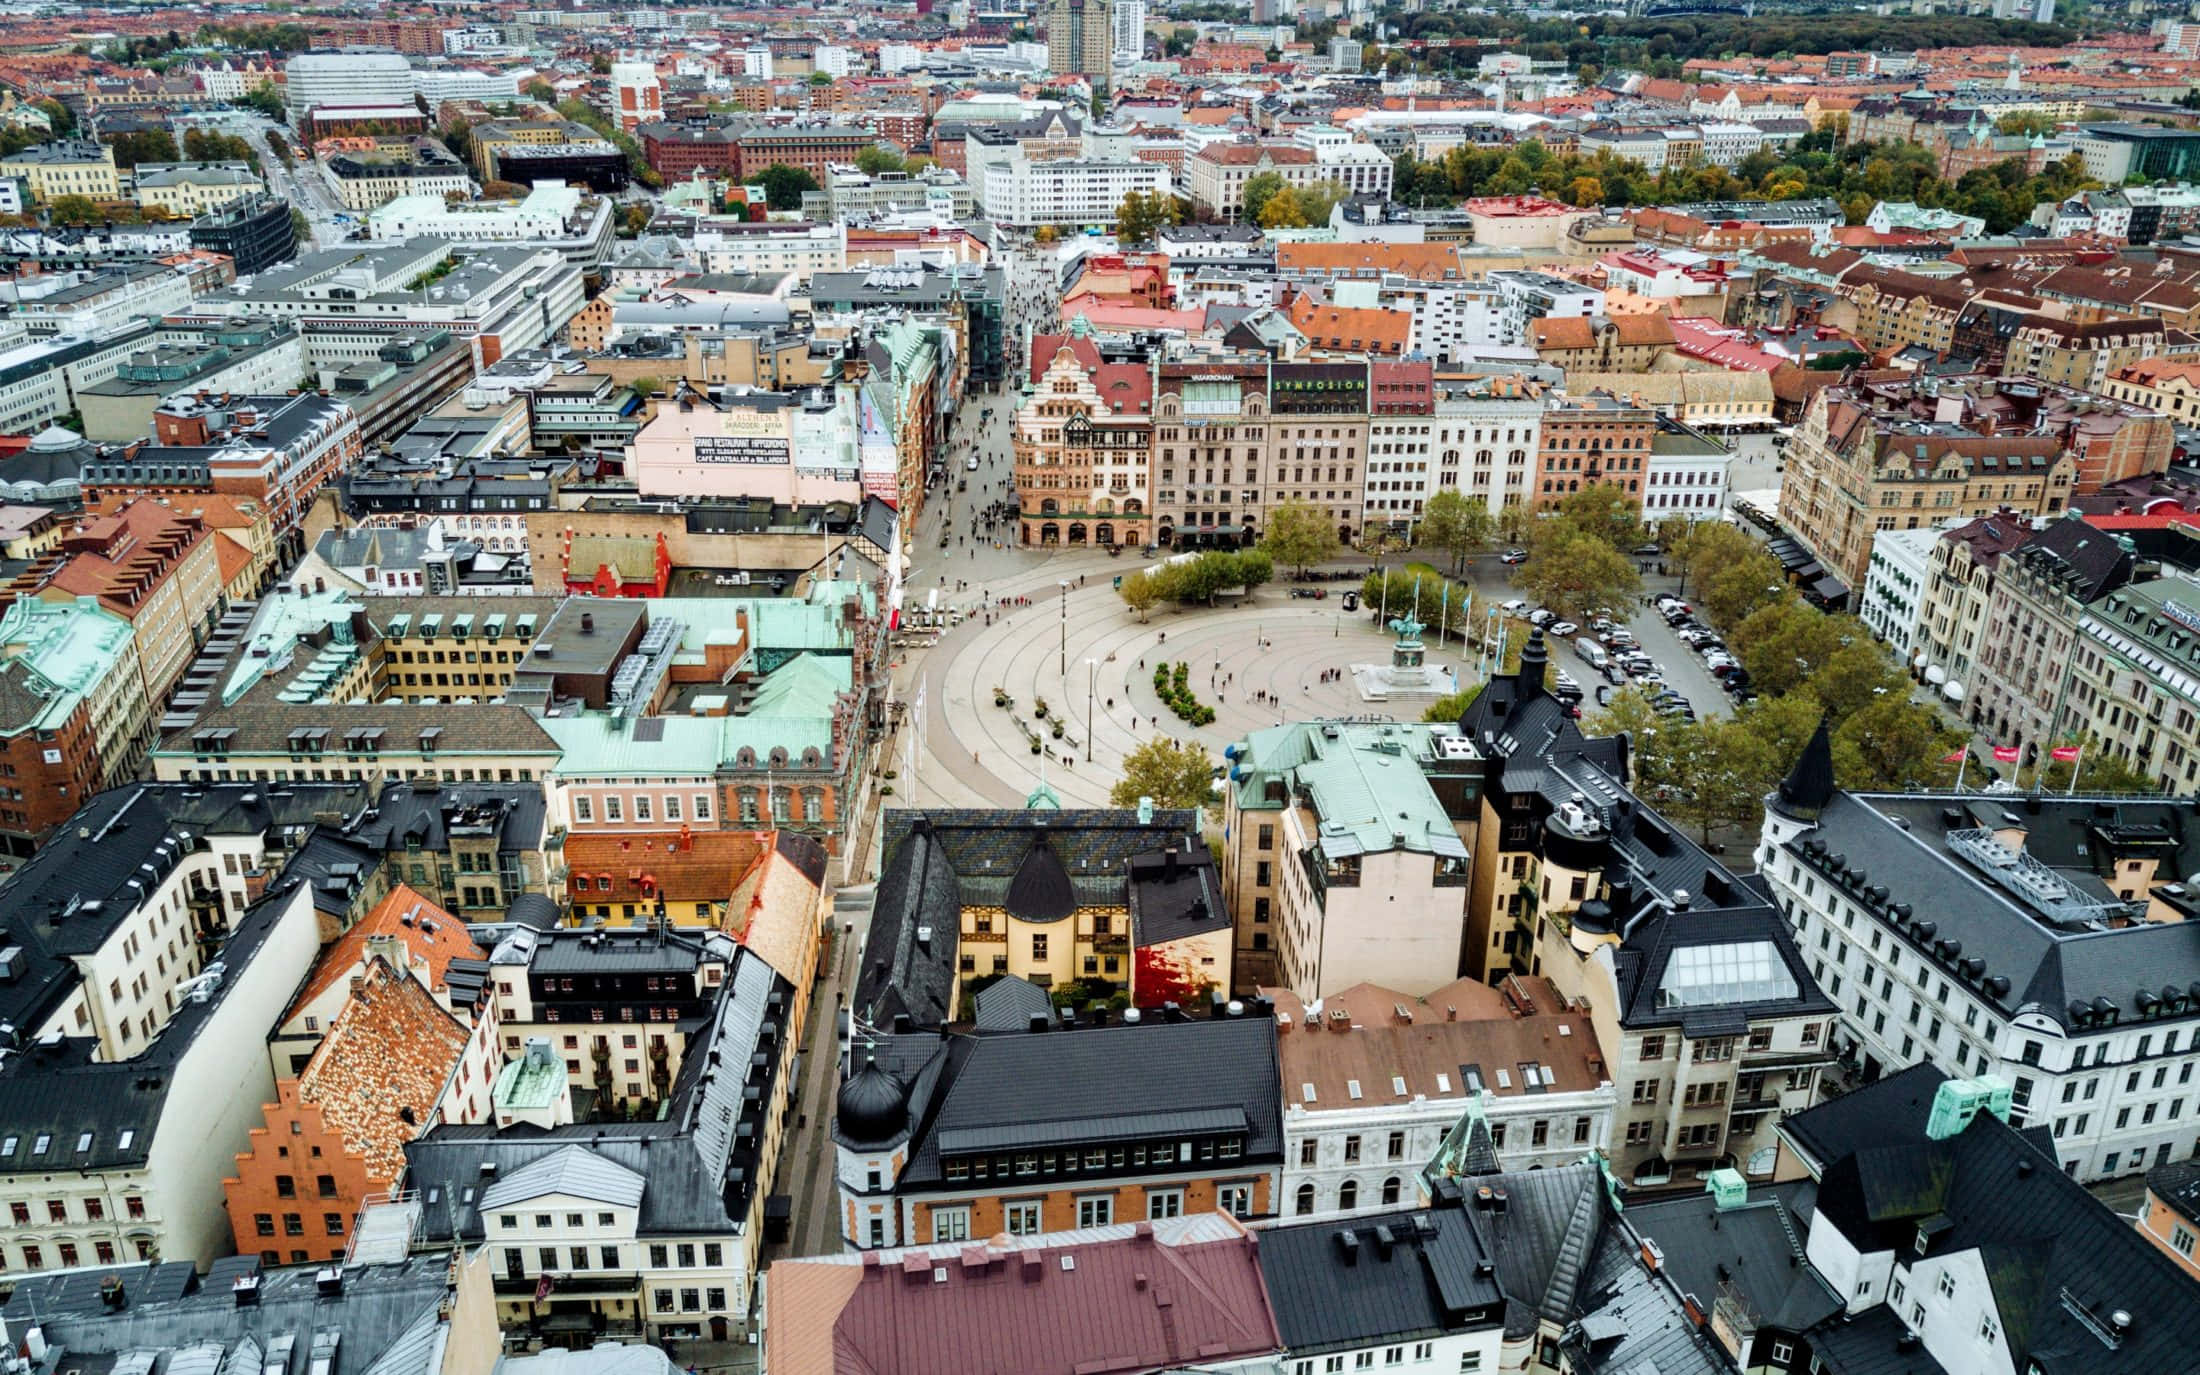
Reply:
x=580 y=1284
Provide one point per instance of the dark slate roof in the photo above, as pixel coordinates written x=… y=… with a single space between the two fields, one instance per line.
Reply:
x=1757 y=1248
x=60 y=1093
x=388 y=1314
x=1175 y=893
x=1404 y=1276
x=2177 y=1184
x=1073 y=1084
x=1632 y=1324
x=909 y=953
x=1809 y=785
x=1893 y=1111
x=937 y=860
x=1874 y=1342
x=72 y=894
x=406 y=811
x=1898 y=841
x=700 y=1170
x=1041 y=890
x=1009 y=1004
x=2058 y=1260
x=1542 y=1240
x=1649 y=944
x=2089 y=562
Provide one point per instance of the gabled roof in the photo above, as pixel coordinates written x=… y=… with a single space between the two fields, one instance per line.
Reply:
x=378 y=1073
x=1402 y=1276
x=2059 y=1262
x=425 y=930
x=574 y=1172
x=1175 y=1294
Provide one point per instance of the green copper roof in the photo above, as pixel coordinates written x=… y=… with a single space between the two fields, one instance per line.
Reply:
x=1364 y=779
x=72 y=645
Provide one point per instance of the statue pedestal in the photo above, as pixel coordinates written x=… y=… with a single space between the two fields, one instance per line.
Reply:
x=1408 y=674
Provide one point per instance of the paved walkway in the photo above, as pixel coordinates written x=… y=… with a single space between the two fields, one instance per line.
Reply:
x=981 y=759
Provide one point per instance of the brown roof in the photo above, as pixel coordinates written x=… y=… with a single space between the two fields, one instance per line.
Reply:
x=1562 y=332
x=1467 y=1022
x=1420 y=261
x=391 y=1049
x=684 y=866
x=1249 y=154
x=1157 y=1295
x=773 y=908
x=1351 y=329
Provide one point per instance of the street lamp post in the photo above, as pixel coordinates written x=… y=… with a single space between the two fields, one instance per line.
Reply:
x=1064 y=585
x=1092 y=677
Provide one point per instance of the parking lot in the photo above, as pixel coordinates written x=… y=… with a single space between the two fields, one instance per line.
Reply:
x=1681 y=667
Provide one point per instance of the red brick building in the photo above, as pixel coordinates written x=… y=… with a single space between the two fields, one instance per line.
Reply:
x=49 y=757
x=1591 y=439
x=810 y=148
x=678 y=151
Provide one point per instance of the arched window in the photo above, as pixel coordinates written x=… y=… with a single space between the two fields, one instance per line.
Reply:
x=1348 y=1194
x=1390 y=1190
x=747 y=797
x=1306 y=1200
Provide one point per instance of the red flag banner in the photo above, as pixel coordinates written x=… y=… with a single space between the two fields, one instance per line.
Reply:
x=2064 y=753
x=1955 y=758
x=2006 y=754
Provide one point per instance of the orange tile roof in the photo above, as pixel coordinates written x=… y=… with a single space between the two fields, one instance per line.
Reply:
x=1348 y=328
x=232 y=554
x=773 y=909
x=426 y=930
x=391 y=1049
x=685 y=867
x=1562 y=332
x=1467 y=1022
x=1421 y=261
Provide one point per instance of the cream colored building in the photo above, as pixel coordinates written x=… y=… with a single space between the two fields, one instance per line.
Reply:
x=75 y=167
x=189 y=190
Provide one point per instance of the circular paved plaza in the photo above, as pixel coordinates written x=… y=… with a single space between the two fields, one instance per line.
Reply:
x=1256 y=661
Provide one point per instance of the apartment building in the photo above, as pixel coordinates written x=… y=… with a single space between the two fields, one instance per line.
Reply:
x=2020 y=679
x=1375 y=1080
x=276 y=450
x=1590 y=439
x=79 y=651
x=369 y=172
x=1959 y=586
x=71 y=167
x=2038 y=940
x=157 y=570
x=2129 y=688
x=1066 y=192
x=1215 y=176
x=1326 y=892
x=949 y=1138
x=1855 y=469
x=1083 y=445
x=648 y=1229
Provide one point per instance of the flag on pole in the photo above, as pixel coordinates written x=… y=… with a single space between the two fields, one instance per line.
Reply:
x=2007 y=754
x=2063 y=754
x=1956 y=757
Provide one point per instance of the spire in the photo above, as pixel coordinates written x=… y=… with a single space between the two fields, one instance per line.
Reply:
x=1534 y=663
x=1809 y=785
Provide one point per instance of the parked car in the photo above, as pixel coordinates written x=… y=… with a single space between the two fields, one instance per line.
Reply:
x=1647 y=551
x=1562 y=628
x=1541 y=617
x=1513 y=557
x=1515 y=607
x=1614 y=674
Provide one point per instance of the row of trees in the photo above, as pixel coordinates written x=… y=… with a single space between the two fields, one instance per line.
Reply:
x=1196 y=581
x=1855 y=175
x=1272 y=203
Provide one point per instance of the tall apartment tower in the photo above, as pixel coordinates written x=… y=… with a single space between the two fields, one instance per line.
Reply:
x=1079 y=38
x=637 y=98
x=1129 y=23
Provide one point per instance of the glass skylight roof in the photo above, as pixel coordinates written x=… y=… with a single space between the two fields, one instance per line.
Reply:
x=1742 y=972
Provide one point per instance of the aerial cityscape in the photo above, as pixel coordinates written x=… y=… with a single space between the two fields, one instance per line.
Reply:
x=1088 y=687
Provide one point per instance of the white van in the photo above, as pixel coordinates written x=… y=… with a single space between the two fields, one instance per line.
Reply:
x=1591 y=653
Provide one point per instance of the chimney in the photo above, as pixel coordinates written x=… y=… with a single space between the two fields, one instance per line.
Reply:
x=588 y=623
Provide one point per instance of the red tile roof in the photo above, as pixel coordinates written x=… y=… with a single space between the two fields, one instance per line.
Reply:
x=684 y=867
x=1176 y=1294
x=1380 y=333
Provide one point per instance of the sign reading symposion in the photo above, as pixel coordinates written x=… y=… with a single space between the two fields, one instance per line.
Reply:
x=743 y=439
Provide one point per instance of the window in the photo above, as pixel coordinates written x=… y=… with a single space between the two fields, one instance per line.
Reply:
x=1396 y=1147
x=1308 y=1149
x=1161 y=1203
x=264 y=1224
x=1234 y=1199
x=1947 y=1284
x=1039 y=946
x=1989 y=1331
x=1023 y=1218
x=2180 y=1239
x=1783 y=1352
x=1470 y=1363
x=1352 y=1150
x=1348 y=1194
x=1096 y=1212
x=1303 y=1206
x=950 y=1224
x=583 y=809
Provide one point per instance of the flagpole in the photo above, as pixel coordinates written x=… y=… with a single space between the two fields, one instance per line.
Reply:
x=1963 y=764
x=2077 y=762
